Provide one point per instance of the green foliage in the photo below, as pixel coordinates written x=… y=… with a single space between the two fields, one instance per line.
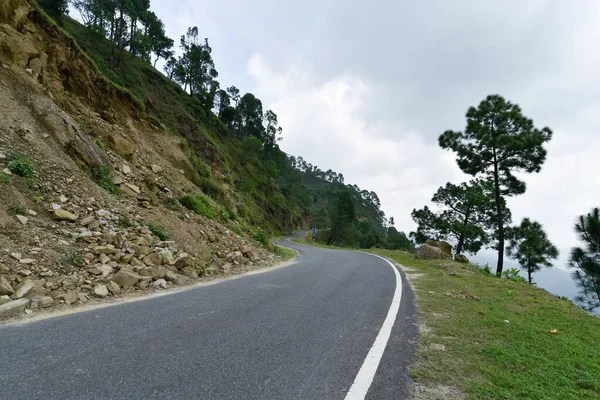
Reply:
x=158 y=231
x=199 y=204
x=102 y=175
x=100 y=143
x=497 y=142
x=19 y=164
x=17 y=209
x=513 y=274
x=529 y=245
x=284 y=252
x=4 y=178
x=585 y=260
x=125 y=222
x=72 y=260
x=172 y=204
x=55 y=8
x=342 y=216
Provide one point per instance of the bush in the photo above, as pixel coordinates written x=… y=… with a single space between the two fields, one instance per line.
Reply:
x=102 y=175
x=513 y=275
x=198 y=204
x=172 y=204
x=158 y=231
x=20 y=164
x=100 y=143
x=17 y=209
x=209 y=187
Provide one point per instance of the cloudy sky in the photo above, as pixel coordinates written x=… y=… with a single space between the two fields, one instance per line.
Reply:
x=366 y=88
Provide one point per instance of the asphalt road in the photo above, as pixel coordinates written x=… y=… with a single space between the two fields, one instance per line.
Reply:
x=297 y=332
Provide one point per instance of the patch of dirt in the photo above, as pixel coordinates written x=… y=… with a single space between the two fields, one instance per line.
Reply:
x=436 y=392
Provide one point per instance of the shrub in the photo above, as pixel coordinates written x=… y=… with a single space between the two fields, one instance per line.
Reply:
x=158 y=231
x=100 y=143
x=125 y=222
x=72 y=260
x=513 y=275
x=198 y=204
x=5 y=179
x=17 y=209
x=172 y=204
x=209 y=187
x=19 y=164
x=103 y=177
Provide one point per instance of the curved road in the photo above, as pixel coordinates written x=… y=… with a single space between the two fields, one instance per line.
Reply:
x=297 y=332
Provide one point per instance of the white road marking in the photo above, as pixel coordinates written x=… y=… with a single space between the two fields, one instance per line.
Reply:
x=364 y=378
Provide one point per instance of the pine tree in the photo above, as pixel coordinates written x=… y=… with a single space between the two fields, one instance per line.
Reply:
x=586 y=260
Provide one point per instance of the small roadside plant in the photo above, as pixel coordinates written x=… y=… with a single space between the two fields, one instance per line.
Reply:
x=125 y=222
x=100 y=143
x=17 y=209
x=512 y=274
x=19 y=164
x=103 y=177
x=5 y=179
x=172 y=204
x=72 y=260
x=199 y=204
x=159 y=231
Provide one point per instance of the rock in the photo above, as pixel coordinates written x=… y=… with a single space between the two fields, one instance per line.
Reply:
x=25 y=272
x=141 y=251
x=16 y=256
x=446 y=248
x=429 y=252
x=64 y=215
x=250 y=253
x=104 y=259
x=181 y=279
x=22 y=219
x=437 y=347
x=13 y=307
x=27 y=261
x=42 y=301
x=211 y=237
x=136 y=263
x=235 y=256
x=461 y=258
x=155 y=258
x=113 y=288
x=126 y=278
x=226 y=267
x=87 y=220
x=122 y=145
x=4 y=269
x=82 y=297
x=143 y=284
x=156 y=168
x=183 y=261
x=103 y=213
x=189 y=272
x=2 y=156
x=32 y=213
x=134 y=188
x=94 y=271
x=5 y=287
x=160 y=283
x=63 y=198
x=100 y=291
x=167 y=257
x=108 y=249
x=5 y=299
x=23 y=288
x=70 y=297
x=171 y=276
x=126 y=169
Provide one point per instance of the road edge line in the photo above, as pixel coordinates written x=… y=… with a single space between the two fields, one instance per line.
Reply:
x=362 y=383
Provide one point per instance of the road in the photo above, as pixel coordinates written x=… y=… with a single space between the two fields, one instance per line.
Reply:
x=298 y=332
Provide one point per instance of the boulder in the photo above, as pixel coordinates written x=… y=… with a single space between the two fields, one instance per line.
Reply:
x=427 y=252
x=190 y=272
x=43 y=301
x=100 y=291
x=13 y=307
x=22 y=219
x=446 y=248
x=461 y=258
x=126 y=278
x=63 y=215
x=160 y=283
x=181 y=279
x=183 y=261
x=171 y=276
x=155 y=258
x=156 y=168
x=5 y=287
x=113 y=288
x=70 y=297
x=250 y=253
x=87 y=220
x=24 y=288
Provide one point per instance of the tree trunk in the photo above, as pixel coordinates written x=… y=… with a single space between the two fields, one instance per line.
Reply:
x=529 y=274
x=461 y=242
x=499 y=210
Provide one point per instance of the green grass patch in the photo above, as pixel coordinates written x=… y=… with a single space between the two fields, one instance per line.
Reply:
x=159 y=231
x=72 y=260
x=17 y=209
x=19 y=164
x=284 y=252
x=102 y=175
x=172 y=204
x=199 y=204
x=466 y=309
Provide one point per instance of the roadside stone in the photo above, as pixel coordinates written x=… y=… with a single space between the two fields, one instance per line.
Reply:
x=64 y=215
x=42 y=301
x=23 y=288
x=250 y=254
x=143 y=284
x=113 y=288
x=102 y=213
x=32 y=213
x=126 y=278
x=167 y=257
x=16 y=256
x=189 y=272
x=117 y=180
x=4 y=269
x=461 y=258
x=27 y=261
x=155 y=258
x=25 y=272
x=156 y=168
x=94 y=271
x=437 y=347
x=126 y=169
x=101 y=291
x=82 y=297
x=105 y=270
x=171 y=276
x=160 y=283
x=70 y=297
x=13 y=307
x=63 y=198
x=5 y=287
x=87 y=220
x=136 y=189
x=104 y=259
x=22 y=219
x=182 y=279
x=136 y=263
x=428 y=252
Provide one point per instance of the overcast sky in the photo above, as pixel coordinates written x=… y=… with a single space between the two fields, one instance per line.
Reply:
x=366 y=88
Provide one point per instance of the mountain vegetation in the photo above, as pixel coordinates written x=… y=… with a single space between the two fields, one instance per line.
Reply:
x=230 y=136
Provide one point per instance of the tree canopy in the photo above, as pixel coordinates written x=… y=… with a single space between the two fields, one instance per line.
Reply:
x=497 y=142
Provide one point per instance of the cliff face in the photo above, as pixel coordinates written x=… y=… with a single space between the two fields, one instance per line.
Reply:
x=89 y=186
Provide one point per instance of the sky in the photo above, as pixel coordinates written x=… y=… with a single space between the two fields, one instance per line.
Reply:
x=366 y=88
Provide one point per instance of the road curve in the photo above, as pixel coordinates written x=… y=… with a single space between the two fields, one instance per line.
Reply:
x=298 y=332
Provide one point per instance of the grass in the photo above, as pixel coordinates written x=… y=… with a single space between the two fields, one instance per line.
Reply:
x=17 y=209
x=199 y=204
x=284 y=252
x=159 y=231
x=103 y=177
x=172 y=204
x=72 y=260
x=19 y=164
x=465 y=309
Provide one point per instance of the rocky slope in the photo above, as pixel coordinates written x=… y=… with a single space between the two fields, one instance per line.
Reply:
x=64 y=130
